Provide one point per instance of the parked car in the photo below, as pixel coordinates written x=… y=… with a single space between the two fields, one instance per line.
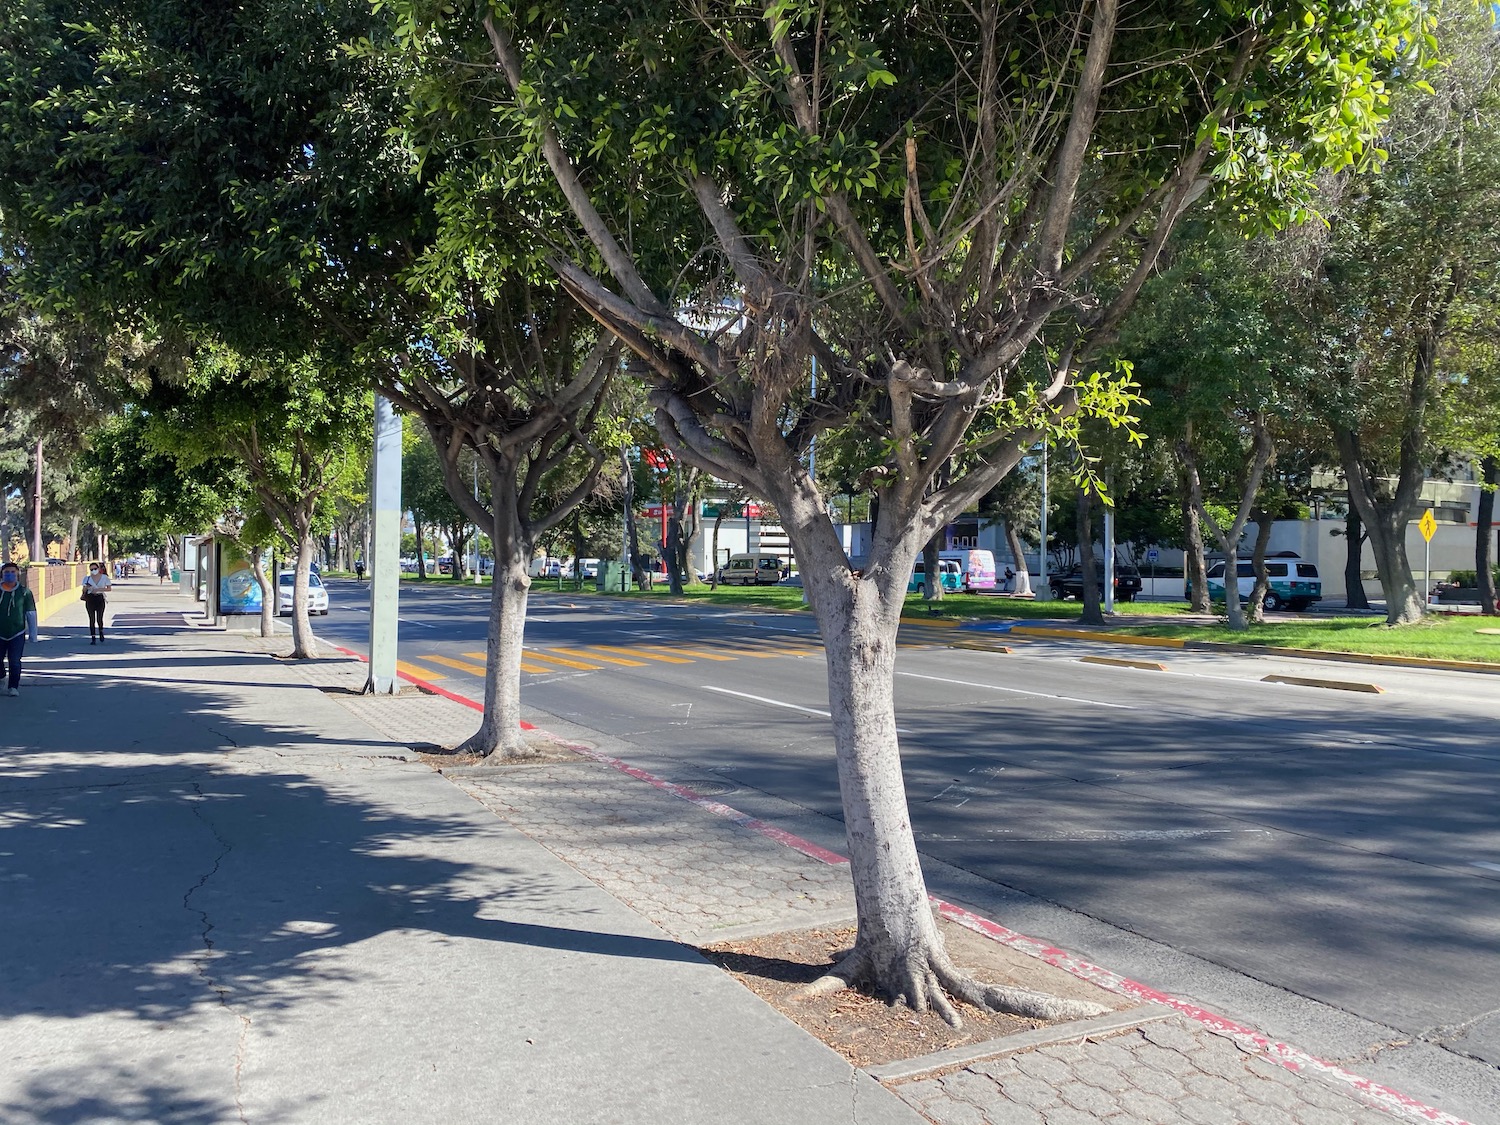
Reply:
x=949 y=570
x=317 y=594
x=588 y=568
x=1069 y=583
x=1294 y=583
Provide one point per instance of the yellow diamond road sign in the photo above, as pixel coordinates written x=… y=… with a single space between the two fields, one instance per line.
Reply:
x=1427 y=525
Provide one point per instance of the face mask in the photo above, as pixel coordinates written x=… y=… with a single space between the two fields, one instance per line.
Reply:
x=10 y=581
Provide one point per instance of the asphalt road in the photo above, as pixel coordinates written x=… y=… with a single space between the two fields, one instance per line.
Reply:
x=1341 y=846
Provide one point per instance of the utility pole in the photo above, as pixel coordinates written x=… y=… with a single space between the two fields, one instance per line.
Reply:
x=1043 y=591
x=37 y=556
x=385 y=557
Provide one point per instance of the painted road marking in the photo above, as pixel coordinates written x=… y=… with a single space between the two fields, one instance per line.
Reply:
x=644 y=653
x=418 y=671
x=770 y=702
x=694 y=652
x=461 y=665
x=595 y=656
x=788 y=706
x=1018 y=691
x=535 y=654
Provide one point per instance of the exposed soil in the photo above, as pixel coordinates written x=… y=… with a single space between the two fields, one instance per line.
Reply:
x=867 y=1031
x=546 y=750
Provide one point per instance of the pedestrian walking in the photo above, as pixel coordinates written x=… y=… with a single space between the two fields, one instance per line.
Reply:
x=95 y=587
x=359 y=568
x=161 y=571
x=17 y=624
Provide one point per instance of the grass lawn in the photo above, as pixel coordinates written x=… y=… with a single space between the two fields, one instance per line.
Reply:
x=974 y=606
x=1440 y=637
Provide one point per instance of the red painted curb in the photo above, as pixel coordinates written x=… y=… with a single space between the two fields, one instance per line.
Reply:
x=424 y=684
x=1284 y=1054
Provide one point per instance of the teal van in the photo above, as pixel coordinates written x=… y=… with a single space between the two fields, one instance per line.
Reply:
x=1294 y=583
x=950 y=572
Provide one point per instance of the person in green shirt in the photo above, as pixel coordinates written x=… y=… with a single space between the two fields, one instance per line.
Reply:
x=17 y=624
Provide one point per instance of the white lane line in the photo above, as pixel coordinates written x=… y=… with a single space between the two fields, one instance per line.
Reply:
x=1018 y=691
x=779 y=703
x=1486 y=866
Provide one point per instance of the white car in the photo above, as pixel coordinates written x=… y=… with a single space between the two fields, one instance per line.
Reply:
x=317 y=594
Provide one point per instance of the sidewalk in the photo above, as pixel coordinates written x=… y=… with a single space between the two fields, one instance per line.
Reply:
x=233 y=893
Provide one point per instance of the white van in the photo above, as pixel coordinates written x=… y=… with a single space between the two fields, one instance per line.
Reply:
x=752 y=570
x=978 y=568
x=1294 y=582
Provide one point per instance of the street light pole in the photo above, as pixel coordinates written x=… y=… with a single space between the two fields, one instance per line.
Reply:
x=1043 y=591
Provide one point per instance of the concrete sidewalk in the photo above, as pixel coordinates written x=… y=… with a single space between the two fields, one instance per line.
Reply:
x=233 y=894
x=228 y=899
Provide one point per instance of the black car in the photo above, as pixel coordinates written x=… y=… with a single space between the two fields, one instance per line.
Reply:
x=1069 y=584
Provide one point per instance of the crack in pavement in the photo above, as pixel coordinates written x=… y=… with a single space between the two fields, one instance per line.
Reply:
x=202 y=962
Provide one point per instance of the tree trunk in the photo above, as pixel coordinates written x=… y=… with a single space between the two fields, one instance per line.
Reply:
x=577 y=538
x=1484 y=537
x=416 y=522
x=1023 y=576
x=1093 y=608
x=674 y=551
x=932 y=578
x=713 y=563
x=1354 y=579
x=304 y=645
x=898 y=948
x=1385 y=518
x=1256 y=610
x=1403 y=600
x=1229 y=539
x=499 y=737
x=267 y=592
x=1195 y=566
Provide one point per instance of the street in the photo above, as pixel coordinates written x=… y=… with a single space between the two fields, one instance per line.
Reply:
x=1341 y=847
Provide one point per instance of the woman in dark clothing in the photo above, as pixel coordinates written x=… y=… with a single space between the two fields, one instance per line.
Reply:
x=95 y=586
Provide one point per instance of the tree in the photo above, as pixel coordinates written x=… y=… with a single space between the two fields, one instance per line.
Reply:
x=955 y=247
x=240 y=181
x=1408 y=255
x=298 y=438
x=129 y=484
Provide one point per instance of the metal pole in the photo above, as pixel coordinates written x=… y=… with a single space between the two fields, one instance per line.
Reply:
x=385 y=556
x=37 y=557
x=625 y=527
x=1109 y=544
x=476 y=526
x=1043 y=591
x=1427 y=574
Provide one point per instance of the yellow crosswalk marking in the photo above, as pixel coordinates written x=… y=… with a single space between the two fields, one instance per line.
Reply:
x=590 y=655
x=698 y=652
x=534 y=654
x=449 y=662
x=482 y=656
x=647 y=655
x=418 y=671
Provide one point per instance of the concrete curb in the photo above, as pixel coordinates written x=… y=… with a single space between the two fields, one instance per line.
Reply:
x=1335 y=685
x=1120 y=662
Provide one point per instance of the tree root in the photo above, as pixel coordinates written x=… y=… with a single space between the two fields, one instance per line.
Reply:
x=482 y=745
x=925 y=983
